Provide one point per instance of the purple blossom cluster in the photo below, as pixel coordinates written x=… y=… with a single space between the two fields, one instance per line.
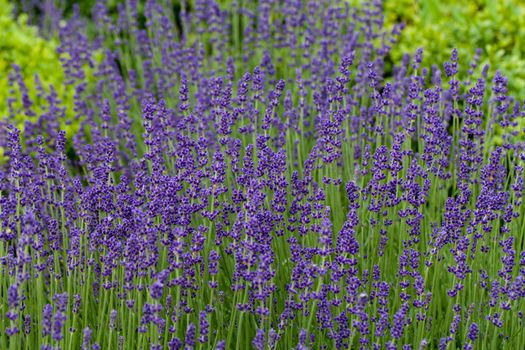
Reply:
x=260 y=176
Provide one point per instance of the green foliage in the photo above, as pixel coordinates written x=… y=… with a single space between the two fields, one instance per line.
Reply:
x=22 y=45
x=496 y=27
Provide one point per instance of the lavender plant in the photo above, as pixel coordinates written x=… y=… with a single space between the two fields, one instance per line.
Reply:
x=250 y=177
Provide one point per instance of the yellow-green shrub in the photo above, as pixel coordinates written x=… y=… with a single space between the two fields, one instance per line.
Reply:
x=22 y=45
x=497 y=27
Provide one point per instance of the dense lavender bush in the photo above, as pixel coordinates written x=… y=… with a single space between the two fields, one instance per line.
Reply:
x=249 y=177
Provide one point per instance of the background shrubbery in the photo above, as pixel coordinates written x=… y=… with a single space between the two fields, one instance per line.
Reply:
x=22 y=45
x=31 y=70
x=497 y=27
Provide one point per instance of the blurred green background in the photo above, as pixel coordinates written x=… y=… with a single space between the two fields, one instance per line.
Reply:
x=497 y=27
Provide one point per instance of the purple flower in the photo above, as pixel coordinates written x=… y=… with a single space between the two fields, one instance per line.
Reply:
x=86 y=342
x=27 y=324
x=47 y=319
x=258 y=341
x=58 y=324
x=12 y=296
x=156 y=290
x=113 y=319
x=399 y=322
x=203 y=327
x=473 y=331
x=189 y=339
x=221 y=345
